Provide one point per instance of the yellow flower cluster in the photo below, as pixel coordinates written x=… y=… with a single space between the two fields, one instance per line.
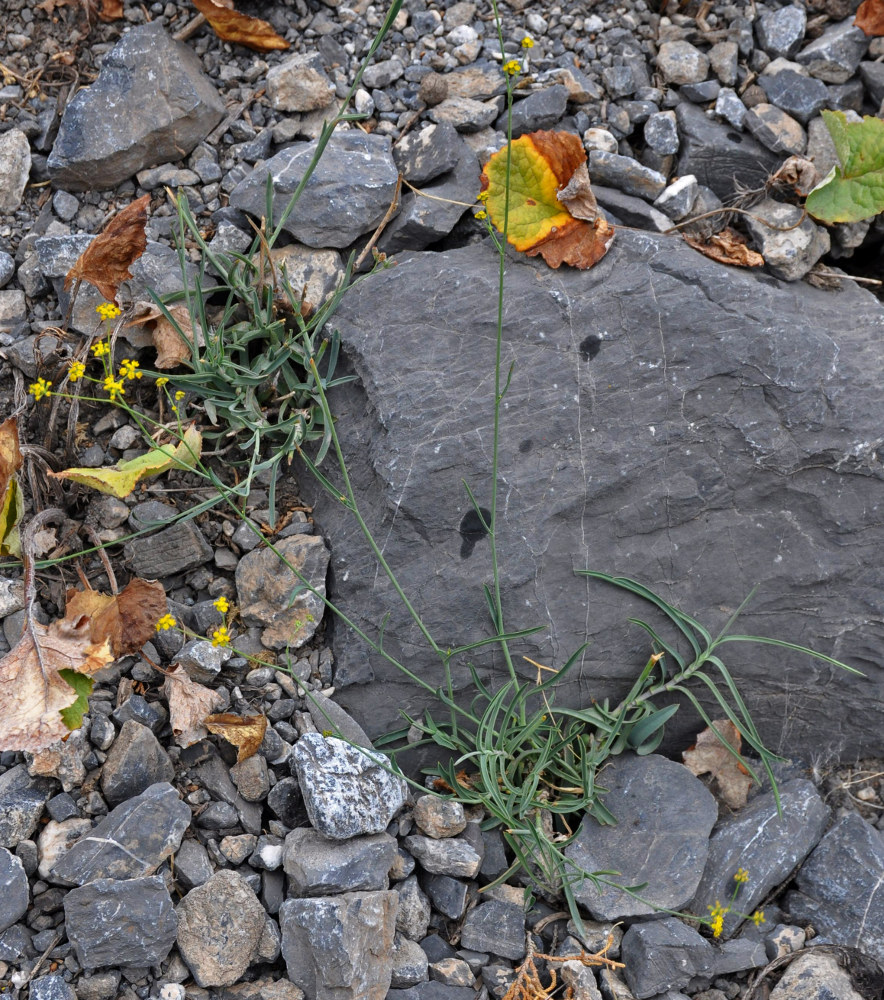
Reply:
x=481 y=214
x=76 y=371
x=222 y=604
x=114 y=387
x=527 y=42
x=108 y=310
x=129 y=369
x=221 y=637
x=100 y=349
x=165 y=623
x=512 y=68
x=717 y=912
x=40 y=388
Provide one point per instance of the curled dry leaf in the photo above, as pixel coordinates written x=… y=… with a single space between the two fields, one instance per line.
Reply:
x=708 y=756
x=110 y=10
x=800 y=174
x=189 y=704
x=48 y=673
x=127 y=620
x=106 y=261
x=246 y=732
x=10 y=494
x=870 y=17
x=173 y=343
x=232 y=26
x=552 y=210
x=727 y=247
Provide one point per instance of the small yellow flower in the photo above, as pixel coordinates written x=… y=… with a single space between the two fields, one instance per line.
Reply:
x=483 y=195
x=179 y=395
x=717 y=925
x=161 y=381
x=512 y=68
x=222 y=604
x=40 y=388
x=757 y=918
x=527 y=42
x=221 y=637
x=101 y=348
x=114 y=387
x=165 y=623
x=741 y=876
x=129 y=369
x=481 y=214
x=108 y=310
x=76 y=371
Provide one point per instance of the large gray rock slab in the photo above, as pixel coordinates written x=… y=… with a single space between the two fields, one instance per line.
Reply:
x=664 y=817
x=347 y=791
x=113 y=922
x=703 y=430
x=151 y=104
x=340 y=947
x=131 y=841
x=348 y=194
x=663 y=955
x=839 y=887
x=768 y=844
x=317 y=866
x=135 y=762
x=22 y=800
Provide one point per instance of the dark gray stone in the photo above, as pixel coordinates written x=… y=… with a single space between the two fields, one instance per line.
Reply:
x=661 y=133
x=22 y=800
x=131 y=841
x=625 y=174
x=433 y=990
x=347 y=195
x=701 y=93
x=220 y=925
x=662 y=955
x=14 y=892
x=729 y=107
x=214 y=775
x=217 y=816
x=287 y=803
x=541 y=110
x=800 y=96
x=619 y=81
x=413 y=913
x=340 y=947
x=422 y=221
x=736 y=955
x=51 y=987
x=423 y=156
x=768 y=846
x=495 y=927
x=347 y=791
x=846 y=96
x=719 y=157
x=175 y=549
x=626 y=210
x=141 y=712
x=837 y=53
x=678 y=198
x=409 y=963
x=708 y=446
x=781 y=32
x=61 y=807
x=838 y=887
x=448 y=895
x=111 y=922
x=192 y=865
x=317 y=866
x=135 y=762
x=872 y=76
x=150 y=104
x=664 y=817
x=453 y=856
x=328 y=714
x=788 y=240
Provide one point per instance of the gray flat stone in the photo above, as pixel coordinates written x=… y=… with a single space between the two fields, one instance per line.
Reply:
x=14 y=891
x=802 y=97
x=837 y=53
x=664 y=817
x=135 y=762
x=543 y=109
x=454 y=856
x=150 y=104
x=347 y=792
x=423 y=156
x=340 y=947
x=317 y=866
x=781 y=32
x=707 y=441
x=625 y=174
x=22 y=800
x=662 y=955
x=111 y=922
x=347 y=195
x=768 y=846
x=495 y=927
x=131 y=841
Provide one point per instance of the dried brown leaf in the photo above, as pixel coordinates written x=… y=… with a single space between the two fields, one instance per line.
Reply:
x=232 y=26
x=32 y=692
x=727 y=247
x=172 y=350
x=244 y=731
x=126 y=620
x=578 y=243
x=708 y=756
x=110 y=10
x=870 y=17
x=801 y=174
x=11 y=505
x=189 y=704
x=106 y=261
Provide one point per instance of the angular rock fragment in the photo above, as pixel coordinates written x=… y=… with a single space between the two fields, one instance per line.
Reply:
x=317 y=866
x=22 y=799
x=14 y=890
x=135 y=762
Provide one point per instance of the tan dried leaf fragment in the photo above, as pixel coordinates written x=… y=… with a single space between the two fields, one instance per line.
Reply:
x=173 y=347
x=708 y=756
x=232 y=26
x=189 y=704
x=246 y=732
x=106 y=261
x=727 y=247
x=127 y=620
x=32 y=692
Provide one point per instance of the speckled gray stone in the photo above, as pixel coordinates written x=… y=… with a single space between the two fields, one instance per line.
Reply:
x=347 y=791
x=14 y=893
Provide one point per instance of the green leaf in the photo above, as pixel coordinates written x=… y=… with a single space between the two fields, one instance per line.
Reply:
x=855 y=190
x=72 y=716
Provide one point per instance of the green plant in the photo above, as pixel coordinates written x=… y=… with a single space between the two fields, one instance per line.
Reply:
x=853 y=190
